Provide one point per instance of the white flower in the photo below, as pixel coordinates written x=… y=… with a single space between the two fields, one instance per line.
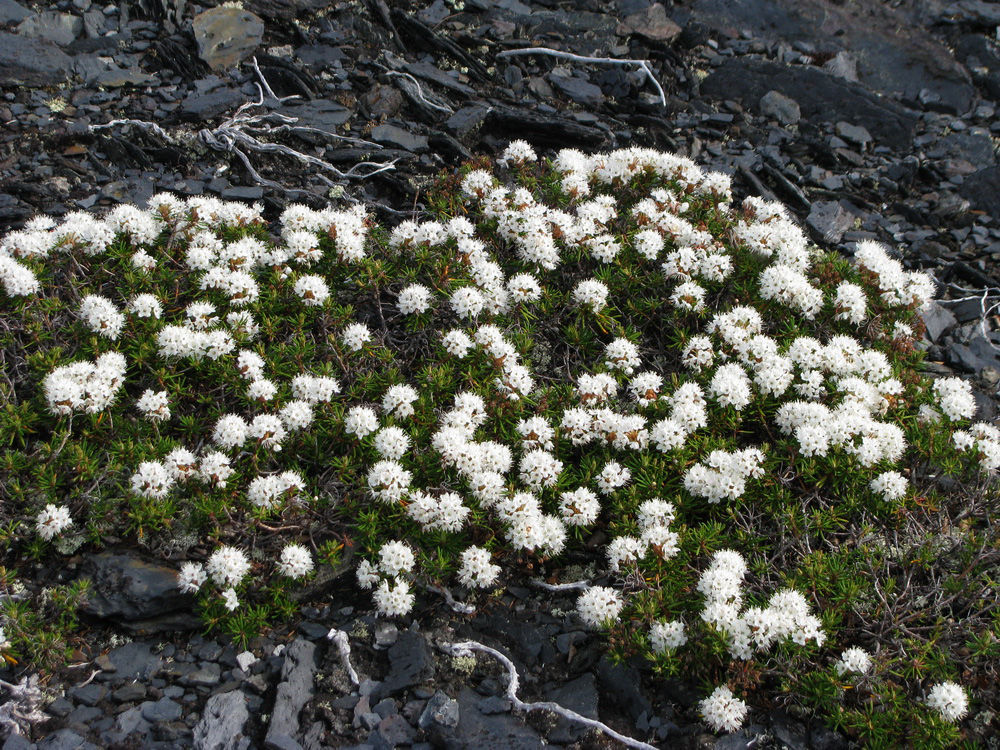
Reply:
x=518 y=152
x=313 y=389
x=393 y=601
x=101 y=316
x=295 y=562
x=182 y=464
x=296 y=415
x=591 y=293
x=355 y=336
x=312 y=289
x=599 y=606
x=414 y=299
x=214 y=468
x=154 y=405
x=730 y=386
x=948 y=699
x=666 y=636
x=360 y=421
x=891 y=485
x=579 y=507
x=524 y=288
x=261 y=390
x=146 y=306
x=539 y=469
x=152 y=480
x=689 y=297
x=391 y=442
x=477 y=570
x=230 y=600
x=850 y=303
x=227 y=566
x=457 y=343
x=612 y=476
x=722 y=710
x=467 y=302
x=191 y=577
x=955 y=398
x=388 y=481
x=367 y=574
x=854 y=659
x=52 y=521
x=398 y=400
x=268 y=430
x=645 y=388
x=621 y=354
x=536 y=432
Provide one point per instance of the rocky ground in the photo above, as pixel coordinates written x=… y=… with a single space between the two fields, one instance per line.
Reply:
x=868 y=119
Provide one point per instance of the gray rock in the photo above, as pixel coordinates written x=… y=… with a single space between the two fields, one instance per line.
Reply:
x=490 y=732
x=386 y=634
x=853 y=133
x=579 y=695
x=776 y=105
x=578 y=90
x=294 y=690
x=410 y=663
x=66 y=739
x=162 y=710
x=392 y=731
x=982 y=190
x=843 y=65
x=49 y=26
x=651 y=23
x=282 y=742
x=937 y=319
x=139 y=594
x=88 y=695
x=494 y=705
x=226 y=36
x=222 y=722
x=12 y=12
x=31 y=62
x=208 y=674
x=440 y=718
x=133 y=691
x=17 y=742
x=821 y=97
x=620 y=684
x=830 y=220
x=390 y=135
x=115 y=78
x=791 y=732
x=133 y=661
x=127 y=723
x=466 y=122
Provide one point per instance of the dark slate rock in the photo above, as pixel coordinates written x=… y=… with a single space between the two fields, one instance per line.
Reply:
x=937 y=319
x=829 y=219
x=162 y=710
x=294 y=690
x=467 y=121
x=437 y=76
x=243 y=193
x=17 y=742
x=30 y=62
x=133 y=661
x=791 y=732
x=542 y=129
x=440 y=718
x=821 y=97
x=579 y=695
x=209 y=674
x=621 y=685
x=222 y=722
x=88 y=695
x=139 y=594
x=853 y=134
x=823 y=738
x=391 y=732
x=321 y=114
x=410 y=663
x=133 y=691
x=974 y=356
x=901 y=58
x=982 y=190
x=201 y=107
x=49 y=26
x=651 y=23
x=319 y=55
x=779 y=107
x=578 y=90
x=83 y=715
x=282 y=742
x=114 y=78
x=492 y=732
x=127 y=723
x=66 y=739
x=494 y=704
x=582 y=31
x=390 y=135
x=12 y=12
x=60 y=707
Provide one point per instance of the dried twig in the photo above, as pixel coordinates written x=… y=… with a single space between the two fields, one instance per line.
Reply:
x=340 y=640
x=466 y=648
x=574 y=586
x=461 y=607
x=23 y=708
x=420 y=92
x=644 y=65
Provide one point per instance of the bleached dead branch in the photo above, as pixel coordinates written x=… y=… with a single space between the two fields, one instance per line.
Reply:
x=340 y=640
x=644 y=65
x=23 y=708
x=467 y=647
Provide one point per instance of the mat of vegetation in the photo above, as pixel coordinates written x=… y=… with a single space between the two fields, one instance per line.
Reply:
x=596 y=370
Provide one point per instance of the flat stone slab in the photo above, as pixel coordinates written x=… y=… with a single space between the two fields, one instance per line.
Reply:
x=227 y=36
x=31 y=62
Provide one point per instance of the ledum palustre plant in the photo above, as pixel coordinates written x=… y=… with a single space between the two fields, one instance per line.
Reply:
x=600 y=360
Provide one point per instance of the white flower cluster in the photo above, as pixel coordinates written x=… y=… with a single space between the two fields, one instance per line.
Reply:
x=755 y=629
x=897 y=286
x=599 y=606
x=446 y=512
x=101 y=316
x=723 y=475
x=85 y=386
x=955 y=398
x=723 y=711
x=295 y=562
x=154 y=405
x=227 y=567
x=477 y=570
x=854 y=659
x=414 y=300
x=275 y=490
x=949 y=700
x=984 y=439
x=52 y=521
x=348 y=228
